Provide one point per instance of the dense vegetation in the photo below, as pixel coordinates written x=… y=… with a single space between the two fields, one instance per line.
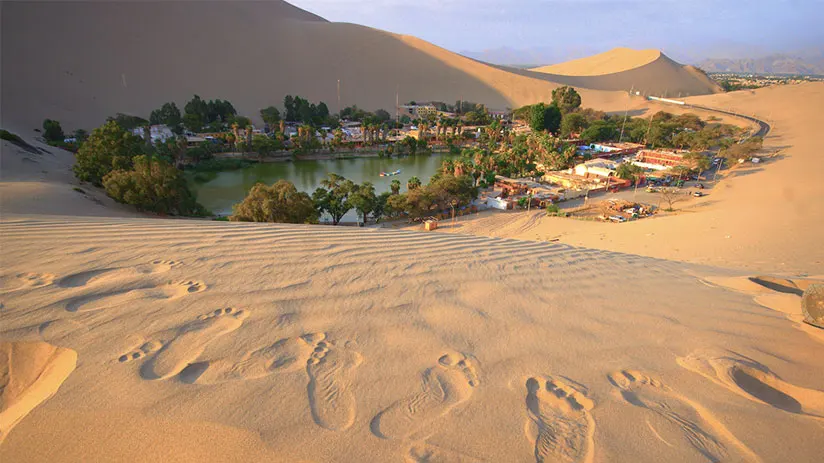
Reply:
x=134 y=172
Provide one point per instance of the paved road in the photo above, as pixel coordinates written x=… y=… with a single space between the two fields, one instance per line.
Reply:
x=763 y=129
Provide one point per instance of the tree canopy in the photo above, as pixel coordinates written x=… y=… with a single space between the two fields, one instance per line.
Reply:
x=280 y=203
x=108 y=148
x=169 y=115
x=52 y=131
x=566 y=99
x=152 y=185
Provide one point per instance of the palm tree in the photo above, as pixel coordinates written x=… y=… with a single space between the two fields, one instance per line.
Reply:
x=236 y=133
x=395 y=186
x=447 y=167
x=460 y=167
x=248 y=138
x=282 y=126
x=413 y=183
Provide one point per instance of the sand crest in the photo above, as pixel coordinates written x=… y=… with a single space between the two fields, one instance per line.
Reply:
x=30 y=373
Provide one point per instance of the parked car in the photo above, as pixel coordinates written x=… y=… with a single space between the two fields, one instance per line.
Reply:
x=617 y=218
x=697 y=194
x=700 y=186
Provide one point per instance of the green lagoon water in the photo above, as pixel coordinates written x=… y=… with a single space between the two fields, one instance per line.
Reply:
x=219 y=191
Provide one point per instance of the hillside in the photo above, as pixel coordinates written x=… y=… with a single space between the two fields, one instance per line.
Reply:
x=773 y=64
x=648 y=71
x=95 y=59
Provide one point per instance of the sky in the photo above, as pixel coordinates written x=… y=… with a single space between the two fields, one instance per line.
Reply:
x=687 y=30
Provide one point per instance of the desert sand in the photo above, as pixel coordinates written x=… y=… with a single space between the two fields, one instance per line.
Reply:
x=118 y=57
x=609 y=62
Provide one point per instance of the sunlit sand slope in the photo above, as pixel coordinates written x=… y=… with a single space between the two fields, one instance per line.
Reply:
x=207 y=341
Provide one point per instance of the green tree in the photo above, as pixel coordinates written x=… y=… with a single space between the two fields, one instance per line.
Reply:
x=333 y=197
x=566 y=99
x=413 y=183
x=108 y=148
x=52 y=131
x=697 y=161
x=81 y=136
x=382 y=115
x=279 y=203
x=264 y=146
x=169 y=115
x=153 y=185
x=573 y=123
x=271 y=116
x=127 y=121
x=380 y=210
x=599 y=131
x=629 y=171
x=395 y=186
x=363 y=199
x=552 y=118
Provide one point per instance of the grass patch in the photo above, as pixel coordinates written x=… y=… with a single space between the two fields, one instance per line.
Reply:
x=8 y=136
x=79 y=190
x=14 y=138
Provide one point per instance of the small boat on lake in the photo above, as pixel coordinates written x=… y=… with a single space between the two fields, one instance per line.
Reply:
x=390 y=174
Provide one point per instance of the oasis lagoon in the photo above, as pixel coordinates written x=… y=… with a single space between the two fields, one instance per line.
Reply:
x=219 y=191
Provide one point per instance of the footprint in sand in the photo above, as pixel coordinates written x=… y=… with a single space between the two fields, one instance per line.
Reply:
x=752 y=380
x=27 y=280
x=145 y=349
x=285 y=355
x=109 y=300
x=80 y=279
x=187 y=344
x=559 y=423
x=681 y=417
x=331 y=368
x=422 y=452
x=449 y=383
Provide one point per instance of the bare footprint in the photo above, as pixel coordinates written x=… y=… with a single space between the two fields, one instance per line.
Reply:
x=190 y=341
x=80 y=279
x=331 y=370
x=109 y=300
x=26 y=280
x=752 y=380
x=145 y=349
x=449 y=383
x=708 y=436
x=559 y=423
x=285 y=355
x=423 y=452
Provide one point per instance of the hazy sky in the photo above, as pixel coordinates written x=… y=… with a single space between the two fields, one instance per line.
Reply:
x=686 y=29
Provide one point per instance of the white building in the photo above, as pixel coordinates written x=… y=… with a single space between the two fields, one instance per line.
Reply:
x=157 y=132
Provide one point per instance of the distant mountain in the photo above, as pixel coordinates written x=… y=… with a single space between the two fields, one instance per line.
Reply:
x=772 y=64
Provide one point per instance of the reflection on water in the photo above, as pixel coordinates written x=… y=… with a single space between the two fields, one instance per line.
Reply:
x=221 y=190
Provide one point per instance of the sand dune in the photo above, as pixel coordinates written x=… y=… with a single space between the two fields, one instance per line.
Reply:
x=30 y=373
x=131 y=57
x=609 y=62
x=647 y=71
x=386 y=345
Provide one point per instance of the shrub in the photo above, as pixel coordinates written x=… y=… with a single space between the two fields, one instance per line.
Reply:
x=552 y=209
x=155 y=186
x=280 y=203
x=79 y=190
x=8 y=136
x=108 y=148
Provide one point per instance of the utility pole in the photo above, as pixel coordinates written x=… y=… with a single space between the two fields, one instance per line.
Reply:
x=626 y=113
x=340 y=110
